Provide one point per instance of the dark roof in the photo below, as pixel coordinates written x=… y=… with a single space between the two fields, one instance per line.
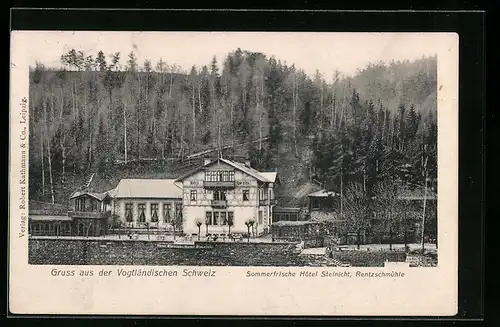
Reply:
x=418 y=194
x=39 y=205
x=97 y=196
x=323 y=194
x=49 y=218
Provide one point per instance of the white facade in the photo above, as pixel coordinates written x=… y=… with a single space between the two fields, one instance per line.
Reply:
x=142 y=202
x=245 y=198
x=119 y=210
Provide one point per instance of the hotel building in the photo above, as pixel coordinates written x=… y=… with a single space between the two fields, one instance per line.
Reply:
x=222 y=195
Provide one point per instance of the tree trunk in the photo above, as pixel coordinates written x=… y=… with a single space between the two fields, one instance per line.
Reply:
x=232 y=123
x=138 y=156
x=321 y=107
x=48 y=152
x=62 y=140
x=341 y=116
x=108 y=118
x=125 y=133
x=405 y=227
x=295 y=112
x=90 y=145
x=42 y=154
x=199 y=98
x=334 y=111
x=423 y=211
x=341 y=189
x=194 y=119
x=390 y=234
x=358 y=246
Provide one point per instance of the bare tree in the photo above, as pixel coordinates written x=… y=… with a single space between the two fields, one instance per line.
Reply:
x=356 y=211
x=387 y=193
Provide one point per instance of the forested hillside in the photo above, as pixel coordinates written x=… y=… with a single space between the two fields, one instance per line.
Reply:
x=100 y=112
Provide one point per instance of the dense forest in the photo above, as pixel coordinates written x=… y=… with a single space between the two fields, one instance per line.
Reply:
x=98 y=112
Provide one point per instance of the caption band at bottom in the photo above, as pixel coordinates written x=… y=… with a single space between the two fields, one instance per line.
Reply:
x=191 y=272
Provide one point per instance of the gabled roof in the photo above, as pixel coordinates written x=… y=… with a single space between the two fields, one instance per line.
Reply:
x=98 y=196
x=246 y=169
x=323 y=194
x=147 y=188
x=261 y=177
x=271 y=176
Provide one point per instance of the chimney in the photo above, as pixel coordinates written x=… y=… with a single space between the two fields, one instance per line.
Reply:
x=247 y=163
x=206 y=161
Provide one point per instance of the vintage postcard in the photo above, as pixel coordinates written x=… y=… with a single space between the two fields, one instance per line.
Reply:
x=233 y=173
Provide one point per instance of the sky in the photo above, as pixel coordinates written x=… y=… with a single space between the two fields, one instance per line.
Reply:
x=326 y=52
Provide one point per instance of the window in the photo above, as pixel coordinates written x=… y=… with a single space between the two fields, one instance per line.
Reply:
x=129 y=207
x=260 y=217
x=246 y=195
x=219 y=176
x=142 y=212
x=154 y=212
x=178 y=210
x=192 y=195
x=167 y=212
x=263 y=194
x=215 y=220
x=219 y=218
x=80 y=204
x=93 y=204
x=220 y=195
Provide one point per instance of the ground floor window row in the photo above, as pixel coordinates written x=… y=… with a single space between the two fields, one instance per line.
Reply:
x=83 y=227
x=225 y=218
x=170 y=212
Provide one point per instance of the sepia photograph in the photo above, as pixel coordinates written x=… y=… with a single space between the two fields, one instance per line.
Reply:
x=292 y=167
x=231 y=152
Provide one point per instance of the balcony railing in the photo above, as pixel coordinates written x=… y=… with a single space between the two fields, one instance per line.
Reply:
x=219 y=203
x=89 y=214
x=265 y=202
x=218 y=184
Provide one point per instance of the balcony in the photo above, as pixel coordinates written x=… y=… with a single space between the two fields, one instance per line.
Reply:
x=219 y=184
x=89 y=214
x=266 y=202
x=219 y=203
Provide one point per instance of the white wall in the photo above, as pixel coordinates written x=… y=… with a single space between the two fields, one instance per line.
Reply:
x=243 y=210
x=120 y=210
